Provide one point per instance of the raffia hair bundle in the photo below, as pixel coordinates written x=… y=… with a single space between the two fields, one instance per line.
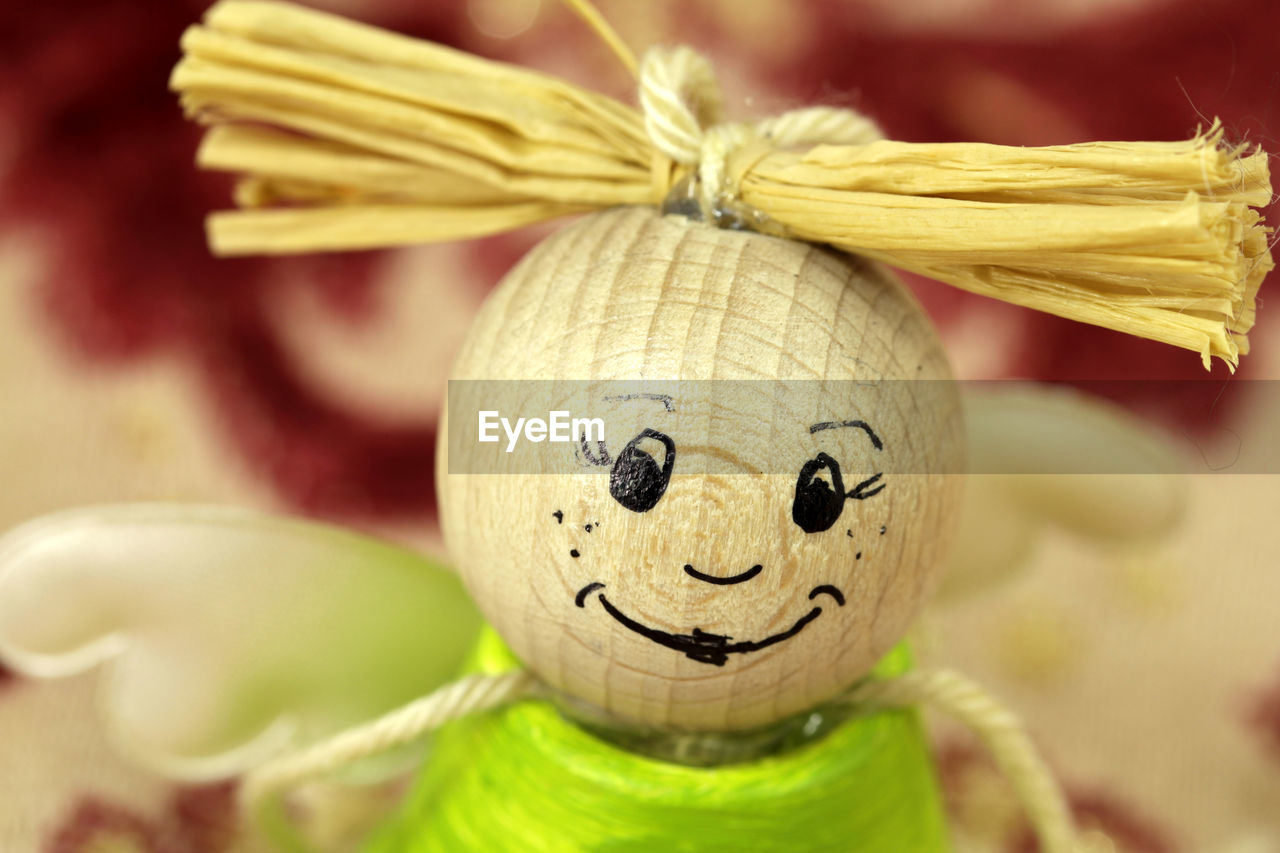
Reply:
x=352 y=137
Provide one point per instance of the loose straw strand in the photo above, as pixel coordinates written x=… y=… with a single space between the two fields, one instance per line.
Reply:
x=600 y=26
x=472 y=694
x=1000 y=731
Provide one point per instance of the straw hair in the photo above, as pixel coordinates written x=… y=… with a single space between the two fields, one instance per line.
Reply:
x=351 y=137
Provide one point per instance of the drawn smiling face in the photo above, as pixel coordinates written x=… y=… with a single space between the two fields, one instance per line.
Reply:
x=716 y=550
x=729 y=555
x=639 y=478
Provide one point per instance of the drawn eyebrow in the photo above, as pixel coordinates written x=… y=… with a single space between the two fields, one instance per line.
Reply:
x=862 y=425
x=584 y=451
x=664 y=399
x=601 y=456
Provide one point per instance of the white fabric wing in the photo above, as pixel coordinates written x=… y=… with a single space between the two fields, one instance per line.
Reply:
x=1041 y=456
x=225 y=635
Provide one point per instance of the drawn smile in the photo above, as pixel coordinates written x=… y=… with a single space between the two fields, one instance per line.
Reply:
x=700 y=645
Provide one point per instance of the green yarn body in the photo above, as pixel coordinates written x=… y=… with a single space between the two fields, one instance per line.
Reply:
x=525 y=779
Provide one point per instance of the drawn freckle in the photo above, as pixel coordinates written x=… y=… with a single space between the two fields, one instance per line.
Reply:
x=587 y=528
x=559 y=516
x=849 y=533
x=574 y=553
x=857 y=556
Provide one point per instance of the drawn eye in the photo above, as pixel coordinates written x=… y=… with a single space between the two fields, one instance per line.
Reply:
x=638 y=480
x=819 y=494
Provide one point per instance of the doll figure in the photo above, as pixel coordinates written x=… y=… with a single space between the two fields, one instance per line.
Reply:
x=772 y=503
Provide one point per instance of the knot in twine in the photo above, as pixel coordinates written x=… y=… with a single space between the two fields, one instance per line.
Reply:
x=684 y=117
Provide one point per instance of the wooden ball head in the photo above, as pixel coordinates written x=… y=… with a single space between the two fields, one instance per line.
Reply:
x=749 y=590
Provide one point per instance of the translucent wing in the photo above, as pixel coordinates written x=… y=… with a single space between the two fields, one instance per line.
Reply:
x=226 y=636
x=1044 y=456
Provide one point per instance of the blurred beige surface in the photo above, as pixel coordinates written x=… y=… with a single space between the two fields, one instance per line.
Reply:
x=1136 y=671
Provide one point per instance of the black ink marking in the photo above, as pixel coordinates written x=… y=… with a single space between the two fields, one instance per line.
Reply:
x=858 y=492
x=732 y=579
x=581 y=598
x=827 y=589
x=587 y=528
x=591 y=458
x=819 y=495
x=700 y=645
x=637 y=481
x=857 y=556
x=664 y=399
x=862 y=425
x=882 y=529
x=559 y=516
x=849 y=533
x=573 y=552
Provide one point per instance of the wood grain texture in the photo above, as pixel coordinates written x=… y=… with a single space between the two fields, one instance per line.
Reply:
x=696 y=622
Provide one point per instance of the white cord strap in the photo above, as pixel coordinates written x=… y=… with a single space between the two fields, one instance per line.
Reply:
x=469 y=695
x=998 y=728
x=1000 y=731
